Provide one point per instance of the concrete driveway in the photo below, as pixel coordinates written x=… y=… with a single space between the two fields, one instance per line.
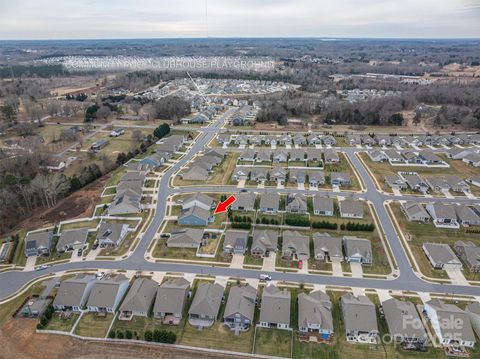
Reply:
x=457 y=277
x=237 y=261
x=30 y=264
x=269 y=263
x=357 y=271
x=337 y=269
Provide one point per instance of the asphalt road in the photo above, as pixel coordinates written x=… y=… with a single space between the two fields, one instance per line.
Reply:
x=12 y=281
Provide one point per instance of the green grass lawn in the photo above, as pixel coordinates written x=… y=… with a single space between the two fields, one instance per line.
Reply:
x=92 y=325
x=139 y=325
x=344 y=166
x=273 y=342
x=63 y=325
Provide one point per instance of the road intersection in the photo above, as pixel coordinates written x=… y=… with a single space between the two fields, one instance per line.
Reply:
x=406 y=278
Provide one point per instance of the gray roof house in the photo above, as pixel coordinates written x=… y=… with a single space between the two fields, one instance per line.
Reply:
x=73 y=293
x=403 y=321
x=185 y=238
x=111 y=234
x=259 y=174
x=351 y=208
x=358 y=250
x=240 y=308
x=467 y=216
x=327 y=248
x=275 y=308
x=139 y=299
x=107 y=294
x=315 y=315
x=244 y=202
x=316 y=178
x=322 y=206
x=395 y=181
x=278 y=174
x=415 y=182
x=195 y=173
x=171 y=300
x=205 y=305
x=296 y=203
x=295 y=246
x=469 y=252
x=194 y=216
x=269 y=203
x=297 y=176
x=241 y=173
x=297 y=155
x=461 y=333
x=280 y=156
x=198 y=199
x=414 y=211
x=441 y=256
x=331 y=156
x=38 y=243
x=125 y=202
x=359 y=318
x=443 y=215
x=340 y=179
x=235 y=241
x=72 y=239
x=473 y=312
x=264 y=241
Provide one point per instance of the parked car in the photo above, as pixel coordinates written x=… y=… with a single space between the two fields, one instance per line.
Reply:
x=300 y=264
x=265 y=277
x=79 y=252
x=43 y=266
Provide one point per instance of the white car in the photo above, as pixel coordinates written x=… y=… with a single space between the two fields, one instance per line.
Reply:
x=265 y=277
x=43 y=266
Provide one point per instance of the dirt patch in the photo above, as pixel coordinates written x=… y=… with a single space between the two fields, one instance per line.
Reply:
x=19 y=340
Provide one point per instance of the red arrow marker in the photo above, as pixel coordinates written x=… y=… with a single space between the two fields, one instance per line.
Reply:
x=222 y=206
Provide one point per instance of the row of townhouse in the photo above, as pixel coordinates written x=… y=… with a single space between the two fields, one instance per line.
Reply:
x=440 y=183
x=414 y=141
x=394 y=157
x=329 y=156
x=129 y=191
x=202 y=166
x=276 y=140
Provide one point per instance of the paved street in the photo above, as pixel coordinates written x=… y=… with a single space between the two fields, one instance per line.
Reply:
x=12 y=281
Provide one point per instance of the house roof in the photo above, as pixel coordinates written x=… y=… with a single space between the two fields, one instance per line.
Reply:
x=296 y=241
x=321 y=203
x=448 y=312
x=111 y=230
x=171 y=296
x=466 y=214
x=414 y=209
x=270 y=200
x=265 y=239
x=315 y=308
x=41 y=239
x=195 y=211
x=207 y=299
x=275 y=305
x=105 y=291
x=358 y=313
x=444 y=211
x=199 y=197
x=296 y=201
x=71 y=290
x=140 y=296
x=471 y=252
x=323 y=242
x=402 y=319
x=196 y=173
x=357 y=246
x=441 y=253
x=245 y=200
x=241 y=299
x=234 y=238
x=72 y=237
x=185 y=236
x=351 y=207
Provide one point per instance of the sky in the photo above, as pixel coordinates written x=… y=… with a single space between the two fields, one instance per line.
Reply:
x=101 y=19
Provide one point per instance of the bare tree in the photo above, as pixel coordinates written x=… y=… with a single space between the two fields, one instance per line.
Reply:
x=104 y=112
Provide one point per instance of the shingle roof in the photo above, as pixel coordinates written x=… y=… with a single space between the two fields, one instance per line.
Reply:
x=140 y=296
x=207 y=299
x=275 y=305
x=171 y=296
x=241 y=299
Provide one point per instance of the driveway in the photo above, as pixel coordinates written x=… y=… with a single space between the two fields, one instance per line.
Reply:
x=269 y=263
x=457 y=277
x=30 y=264
x=241 y=184
x=237 y=261
x=357 y=271
x=337 y=269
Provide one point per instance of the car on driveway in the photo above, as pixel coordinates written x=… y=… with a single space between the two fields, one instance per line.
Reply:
x=300 y=264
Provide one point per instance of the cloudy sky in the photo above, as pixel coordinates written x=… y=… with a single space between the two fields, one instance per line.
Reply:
x=65 y=19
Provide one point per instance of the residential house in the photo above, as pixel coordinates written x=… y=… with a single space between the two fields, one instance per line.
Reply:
x=139 y=299
x=244 y=202
x=330 y=156
x=295 y=246
x=186 y=238
x=111 y=234
x=278 y=174
x=340 y=179
x=299 y=140
x=430 y=158
x=327 y=248
x=247 y=155
x=394 y=156
x=275 y=308
x=396 y=182
x=280 y=156
x=170 y=300
x=205 y=305
x=322 y=206
x=415 y=182
x=38 y=243
x=472 y=159
x=469 y=252
x=195 y=173
x=459 y=332
x=313 y=139
x=259 y=174
x=73 y=293
x=107 y=294
x=456 y=183
x=412 y=157
x=240 y=308
x=443 y=215
x=313 y=155
x=350 y=208
x=467 y=216
x=316 y=178
x=235 y=241
x=404 y=322
x=414 y=211
x=315 y=315
x=73 y=239
x=297 y=176
x=357 y=250
x=353 y=140
x=296 y=203
x=359 y=319
x=264 y=242
x=297 y=155
x=194 y=216
x=473 y=312
x=264 y=156
x=383 y=140
x=441 y=256
x=241 y=174
x=269 y=203
x=329 y=140
x=198 y=200
x=377 y=156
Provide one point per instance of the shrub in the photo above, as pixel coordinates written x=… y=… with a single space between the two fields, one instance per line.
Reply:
x=111 y=335
x=128 y=334
x=148 y=335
